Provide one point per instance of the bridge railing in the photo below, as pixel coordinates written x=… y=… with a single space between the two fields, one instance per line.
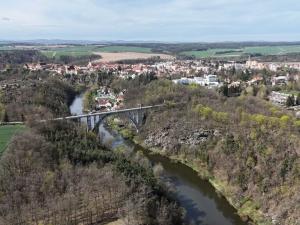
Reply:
x=91 y=114
x=109 y=112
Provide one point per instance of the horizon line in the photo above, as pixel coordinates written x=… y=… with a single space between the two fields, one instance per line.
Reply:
x=140 y=41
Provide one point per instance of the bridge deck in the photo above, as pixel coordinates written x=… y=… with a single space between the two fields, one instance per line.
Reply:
x=93 y=114
x=109 y=112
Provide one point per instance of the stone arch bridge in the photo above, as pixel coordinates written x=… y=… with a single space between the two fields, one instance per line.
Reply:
x=135 y=115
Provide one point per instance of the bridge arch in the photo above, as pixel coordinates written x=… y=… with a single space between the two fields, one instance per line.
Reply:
x=136 y=118
x=135 y=115
x=100 y=121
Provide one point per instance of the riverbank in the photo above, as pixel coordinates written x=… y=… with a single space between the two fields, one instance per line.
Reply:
x=89 y=99
x=246 y=208
x=246 y=211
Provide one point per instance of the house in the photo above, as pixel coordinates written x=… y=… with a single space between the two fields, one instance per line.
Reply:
x=278 y=97
x=255 y=80
x=256 y=65
x=182 y=80
x=279 y=80
x=71 y=70
x=103 y=104
x=274 y=66
x=211 y=81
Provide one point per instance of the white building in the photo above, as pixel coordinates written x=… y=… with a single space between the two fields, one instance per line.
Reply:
x=280 y=80
x=182 y=80
x=210 y=81
x=278 y=98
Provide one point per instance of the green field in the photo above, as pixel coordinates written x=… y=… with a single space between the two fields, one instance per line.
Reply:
x=87 y=50
x=71 y=51
x=90 y=49
x=212 y=53
x=6 y=133
x=6 y=48
x=263 y=50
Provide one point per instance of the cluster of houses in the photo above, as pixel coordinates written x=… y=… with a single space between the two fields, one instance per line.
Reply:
x=169 y=68
x=174 y=68
x=60 y=68
x=278 y=97
x=272 y=66
x=106 y=100
x=200 y=72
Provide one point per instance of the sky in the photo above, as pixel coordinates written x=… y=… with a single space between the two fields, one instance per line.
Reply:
x=151 y=20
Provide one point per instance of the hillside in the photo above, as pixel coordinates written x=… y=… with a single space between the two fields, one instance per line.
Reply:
x=246 y=147
x=58 y=173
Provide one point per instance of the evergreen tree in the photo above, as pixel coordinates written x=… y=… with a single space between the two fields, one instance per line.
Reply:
x=298 y=99
x=5 y=117
x=224 y=90
x=290 y=101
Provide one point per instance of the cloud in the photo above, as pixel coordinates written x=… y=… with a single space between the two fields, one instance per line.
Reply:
x=179 y=20
x=5 y=19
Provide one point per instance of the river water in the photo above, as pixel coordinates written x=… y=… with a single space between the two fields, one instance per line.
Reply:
x=198 y=197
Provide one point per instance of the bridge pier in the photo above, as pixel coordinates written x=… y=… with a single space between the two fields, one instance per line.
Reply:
x=137 y=118
x=89 y=123
x=94 y=120
x=98 y=121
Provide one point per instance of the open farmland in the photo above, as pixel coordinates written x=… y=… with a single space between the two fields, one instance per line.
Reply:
x=262 y=50
x=71 y=51
x=118 y=56
x=125 y=49
x=6 y=133
x=90 y=49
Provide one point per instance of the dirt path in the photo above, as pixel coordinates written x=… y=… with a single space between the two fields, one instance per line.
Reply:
x=117 y=222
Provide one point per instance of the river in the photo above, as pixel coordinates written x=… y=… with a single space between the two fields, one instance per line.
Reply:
x=197 y=196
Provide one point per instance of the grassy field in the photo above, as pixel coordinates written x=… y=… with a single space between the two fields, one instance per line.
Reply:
x=213 y=53
x=263 y=50
x=71 y=51
x=90 y=49
x=86 y=50
x=6 y=133
x=5 y=48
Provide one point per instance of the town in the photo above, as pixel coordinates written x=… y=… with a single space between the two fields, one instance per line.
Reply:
x=128 y=112
x=239 y=77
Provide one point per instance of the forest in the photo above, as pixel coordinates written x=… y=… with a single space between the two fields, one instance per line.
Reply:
x=20 y=56
x=15 y=57
x=36 y=100
x=246 y=147
x=57 y=173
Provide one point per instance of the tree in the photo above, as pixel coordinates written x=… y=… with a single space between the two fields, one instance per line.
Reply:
x=290 y=101
x=224 y=90
x=5 y=117
x=298 y=99
x=233 y=70
x=245 y=76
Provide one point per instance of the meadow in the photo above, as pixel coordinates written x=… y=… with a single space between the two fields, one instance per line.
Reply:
x=87 y=50
x=263 y=50
x=6 y=133
x=90 y=50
